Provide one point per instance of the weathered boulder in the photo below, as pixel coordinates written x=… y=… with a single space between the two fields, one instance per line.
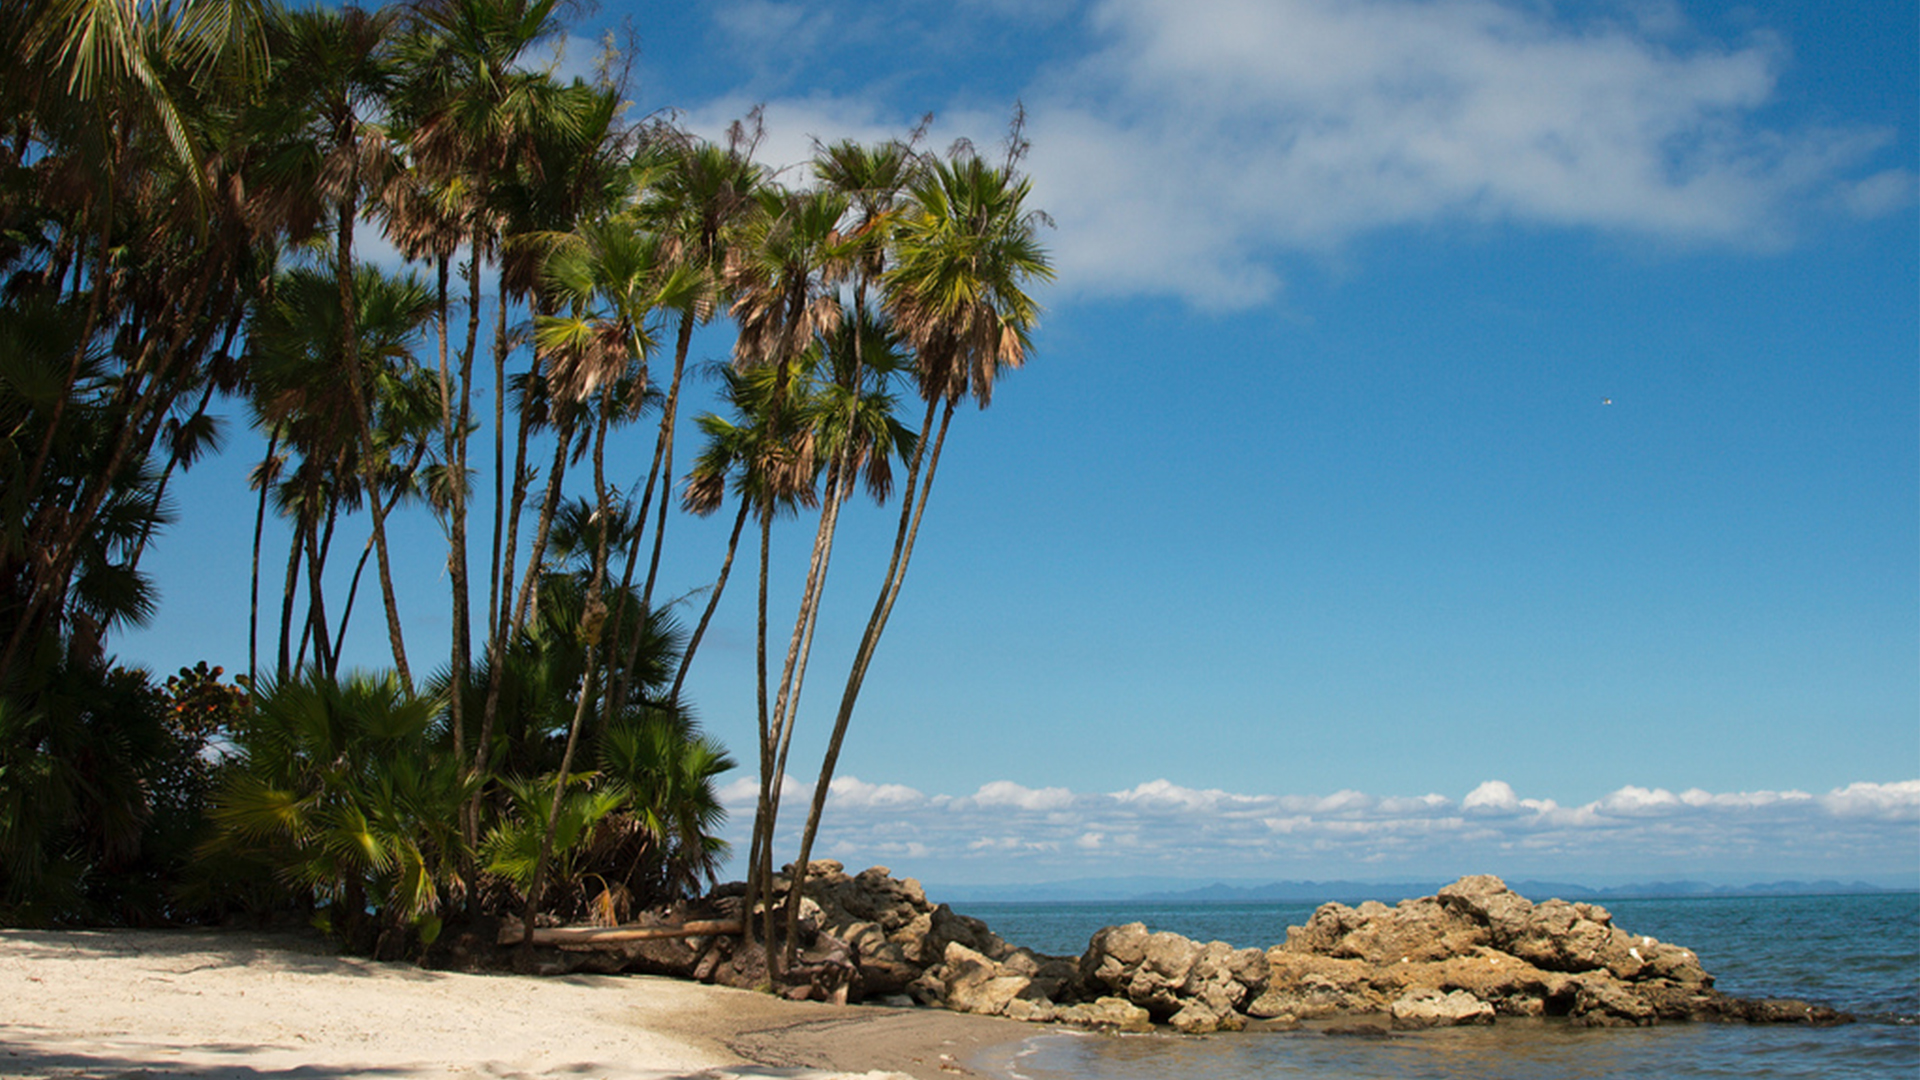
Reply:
x=1428 y=1007
x=973 y=983
x=1416 y=930
x=1193 y=987
x=1609 y=1003
x=1304 y=986
x=1106 y=1013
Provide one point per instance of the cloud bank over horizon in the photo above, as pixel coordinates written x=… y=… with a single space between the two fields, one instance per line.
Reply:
x=1006 y=832
x=1189 y=146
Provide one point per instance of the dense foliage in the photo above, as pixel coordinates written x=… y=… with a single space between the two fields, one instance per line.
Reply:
x=182 y=187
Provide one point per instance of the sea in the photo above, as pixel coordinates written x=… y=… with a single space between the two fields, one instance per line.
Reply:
x=1859 y=953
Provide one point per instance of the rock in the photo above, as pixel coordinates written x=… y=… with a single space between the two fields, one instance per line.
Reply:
x=1112 y=955
x=1228 y=979
x=1488 y=901
x=1053 y=977
x=1510 y=985
x=1783 y=1011
x=1307 y=987
x=1204 y=1018
x=1158 y=983
x=1606 y=1003
x=1434 y=1008
x=974 y=983
x=1106 y=1013
x=884 y=967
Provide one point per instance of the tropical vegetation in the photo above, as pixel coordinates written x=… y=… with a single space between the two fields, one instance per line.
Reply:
x=188 y=191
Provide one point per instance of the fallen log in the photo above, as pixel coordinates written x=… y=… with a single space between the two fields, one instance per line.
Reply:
x=595 y=936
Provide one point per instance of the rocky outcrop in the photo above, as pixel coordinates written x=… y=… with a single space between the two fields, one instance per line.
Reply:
x=1193 y=987
x=1480 y=939
x=1473 y=952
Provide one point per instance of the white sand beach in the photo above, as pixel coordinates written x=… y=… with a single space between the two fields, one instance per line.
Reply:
x=235 y=1005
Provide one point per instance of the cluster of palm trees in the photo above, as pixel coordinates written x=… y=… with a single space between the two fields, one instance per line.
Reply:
x=182 y=188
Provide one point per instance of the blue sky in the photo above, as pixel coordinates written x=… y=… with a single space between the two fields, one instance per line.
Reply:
x=1463 y=437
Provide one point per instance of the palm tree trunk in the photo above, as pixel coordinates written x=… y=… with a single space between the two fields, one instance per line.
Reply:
x=760 y=860
x=500 y=344
x=904 y=537
x=360 y=566
x=395 y=635
x=667 y=422
x=253 y=602
x=713 y=601
x=456 y=708
x=662 y=467
x=592 y=620
x=457 y=525
x=803 y=639
x=316 y=598
x=286 y=599
x=497 y=650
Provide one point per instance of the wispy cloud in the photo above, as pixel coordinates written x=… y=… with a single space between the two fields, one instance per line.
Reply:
x=1185 y=147
x=1006 y=831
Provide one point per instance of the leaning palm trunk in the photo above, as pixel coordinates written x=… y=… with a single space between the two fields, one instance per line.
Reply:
x=908 y=531
x=760 y=857
x=456 y=436
x=363 y=417
x=497 y=647
x=592 y=621
x=803 y=644
x=662 y=467
x=360 y=567
x=290 y=585
x=259 y=527
x=713 y=601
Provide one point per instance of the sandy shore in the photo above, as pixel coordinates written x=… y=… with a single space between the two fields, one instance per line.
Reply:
x=225 y=1005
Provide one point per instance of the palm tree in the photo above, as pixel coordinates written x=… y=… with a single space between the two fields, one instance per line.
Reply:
x=782 y=278
x=614 y=280
x=296 y=351
x=695 y=197
x=336 y=789
x=331 y=79
x=963 y=255
x=669 y=770
x=124 y=171
x=474 y=115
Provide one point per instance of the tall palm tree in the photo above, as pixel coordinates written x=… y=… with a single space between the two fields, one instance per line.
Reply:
x=964 y=254
x=296 y=351
x=791 y=257
x=124 y=163
x=474 y=114
x=614 y=279
x=695 y=196
x=331 y=81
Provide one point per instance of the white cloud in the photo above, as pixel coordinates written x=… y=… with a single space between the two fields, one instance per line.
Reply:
x=1491 y=795
x=1006 y=830
x=851 y=791
x=1894 y=802
x=1196 y=143
x=1007 y=794
x=740 y=794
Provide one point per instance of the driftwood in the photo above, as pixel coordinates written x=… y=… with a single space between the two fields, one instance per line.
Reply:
x=610 y=936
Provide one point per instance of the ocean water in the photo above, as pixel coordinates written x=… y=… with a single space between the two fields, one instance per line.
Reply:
x=1857 y=953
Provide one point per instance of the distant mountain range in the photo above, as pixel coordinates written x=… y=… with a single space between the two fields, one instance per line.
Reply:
x=1174 y=891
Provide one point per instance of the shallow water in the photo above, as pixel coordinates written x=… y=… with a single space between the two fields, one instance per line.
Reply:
x=1858 y=953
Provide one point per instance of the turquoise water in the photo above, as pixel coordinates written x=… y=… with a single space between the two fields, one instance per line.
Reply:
x=1858 y=953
